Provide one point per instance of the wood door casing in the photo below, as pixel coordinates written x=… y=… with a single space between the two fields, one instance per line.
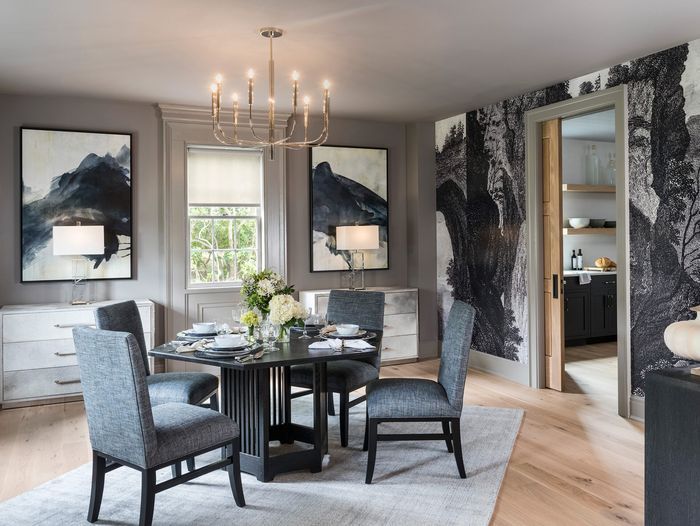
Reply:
x=553 y=254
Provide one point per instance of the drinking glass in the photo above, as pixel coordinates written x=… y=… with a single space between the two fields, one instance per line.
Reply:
x=309 y=320
x=268 y=332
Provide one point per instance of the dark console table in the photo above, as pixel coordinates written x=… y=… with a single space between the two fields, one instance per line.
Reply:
x=672 y=448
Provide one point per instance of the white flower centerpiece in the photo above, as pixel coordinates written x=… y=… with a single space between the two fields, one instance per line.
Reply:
x=286 y=312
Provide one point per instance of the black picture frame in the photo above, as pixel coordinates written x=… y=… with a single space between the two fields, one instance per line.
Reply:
x=312 y=205
x=129 y=137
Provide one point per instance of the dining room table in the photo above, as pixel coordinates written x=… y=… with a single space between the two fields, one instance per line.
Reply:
x=257 y=395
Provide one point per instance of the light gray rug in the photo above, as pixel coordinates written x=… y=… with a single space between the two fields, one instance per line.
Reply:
x=415 y=483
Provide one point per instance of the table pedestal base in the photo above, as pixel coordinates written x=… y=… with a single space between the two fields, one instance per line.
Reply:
x=260 y=401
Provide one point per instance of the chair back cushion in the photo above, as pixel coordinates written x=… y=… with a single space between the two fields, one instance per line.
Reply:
x=361 y=307
x=118 y=408
x=455 y=352
x=123 y=317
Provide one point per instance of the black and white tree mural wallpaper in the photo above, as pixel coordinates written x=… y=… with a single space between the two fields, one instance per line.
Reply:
x=480 y=158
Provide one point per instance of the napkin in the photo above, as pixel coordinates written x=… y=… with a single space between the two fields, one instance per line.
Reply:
x=195 y=346
x=338 y=344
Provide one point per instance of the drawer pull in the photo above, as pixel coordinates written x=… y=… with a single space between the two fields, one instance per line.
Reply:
x=67 y=382
x=72 y=325
x=57 y=353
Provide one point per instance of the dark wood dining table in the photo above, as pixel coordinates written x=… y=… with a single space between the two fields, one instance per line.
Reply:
x=257 y=395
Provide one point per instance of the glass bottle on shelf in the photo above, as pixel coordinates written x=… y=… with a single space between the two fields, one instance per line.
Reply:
x=592 y=168
x=611 y=170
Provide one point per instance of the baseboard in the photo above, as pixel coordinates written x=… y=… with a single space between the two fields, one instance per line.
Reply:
x=508 y=369
x=637 y=408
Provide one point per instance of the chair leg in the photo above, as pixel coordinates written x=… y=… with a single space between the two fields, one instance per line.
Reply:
x=344 y=418
x=214 y=402
x=190 y=464
x=98 y=484
x=448 y=439
x=176 y=469
x=372 y=454
x=234 y=473
x=457 y=439
x=148 y=496
x=331 y=404
x=365 y=443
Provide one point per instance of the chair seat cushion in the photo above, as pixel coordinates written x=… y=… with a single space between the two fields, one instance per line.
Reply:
x=183 y=429
x=343 y=375
x=186 y=388
x=408 y=398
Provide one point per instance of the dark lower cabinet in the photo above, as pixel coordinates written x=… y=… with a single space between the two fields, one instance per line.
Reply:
x=590 y=310
x=672 y=448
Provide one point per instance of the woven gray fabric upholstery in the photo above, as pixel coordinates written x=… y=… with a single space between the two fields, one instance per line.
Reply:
x=361 y=307
x=408 y=398
x=187 y=388
x=343 y=375
x=419 y=398
x=454 y=359
x=183 y=428
x=123 y=317
x=121 y=422
x=116 y=396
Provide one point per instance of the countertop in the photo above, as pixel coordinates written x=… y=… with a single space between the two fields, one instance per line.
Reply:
x=591 y=272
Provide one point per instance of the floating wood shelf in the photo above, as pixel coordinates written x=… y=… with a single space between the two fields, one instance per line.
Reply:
x=589 y=231
x=596 y=188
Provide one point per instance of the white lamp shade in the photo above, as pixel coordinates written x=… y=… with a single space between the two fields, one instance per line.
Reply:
x=357 y=237
x=78 y=240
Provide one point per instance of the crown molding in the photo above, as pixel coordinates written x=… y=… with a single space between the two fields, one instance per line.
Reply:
x=202 y=115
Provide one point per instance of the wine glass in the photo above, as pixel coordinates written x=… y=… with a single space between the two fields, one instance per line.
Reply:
x=309 y=320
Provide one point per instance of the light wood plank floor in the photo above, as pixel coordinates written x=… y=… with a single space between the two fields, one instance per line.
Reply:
x=575 y=460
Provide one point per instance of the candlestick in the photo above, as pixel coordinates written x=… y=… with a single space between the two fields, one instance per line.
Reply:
x=251 y=74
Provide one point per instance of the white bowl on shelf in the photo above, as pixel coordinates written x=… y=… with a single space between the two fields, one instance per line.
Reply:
x=579 y=222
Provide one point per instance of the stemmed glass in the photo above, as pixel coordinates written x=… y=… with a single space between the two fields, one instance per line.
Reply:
x=309 y=320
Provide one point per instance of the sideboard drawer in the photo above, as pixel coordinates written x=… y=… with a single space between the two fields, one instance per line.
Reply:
x=57 y=325
x=40 y=383
x=400 y=324
x=37 y=355
x=400 y=303
x=399 y=348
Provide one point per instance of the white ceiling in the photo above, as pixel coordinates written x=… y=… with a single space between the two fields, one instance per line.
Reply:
x=599 y=126
x=395 y=60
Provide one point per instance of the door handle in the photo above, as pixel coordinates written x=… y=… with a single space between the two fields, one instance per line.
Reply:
x=555 y=286
x=57 y=353
x=72 y=325
x=66 y=382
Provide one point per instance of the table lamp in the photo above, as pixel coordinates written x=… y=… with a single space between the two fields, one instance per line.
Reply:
x=357 y=238
x=79 y=240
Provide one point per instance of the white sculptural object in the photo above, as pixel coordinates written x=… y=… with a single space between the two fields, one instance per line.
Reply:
x=683 y=338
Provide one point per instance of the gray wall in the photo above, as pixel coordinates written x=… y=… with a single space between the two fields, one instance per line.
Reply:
x=82 y=114
x=410 y=189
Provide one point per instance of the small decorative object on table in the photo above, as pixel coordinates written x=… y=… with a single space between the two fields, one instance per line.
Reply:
x=250 y=319
x=683 y=338
x=286 y=312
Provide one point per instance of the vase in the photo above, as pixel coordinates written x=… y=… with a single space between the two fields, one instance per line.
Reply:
x=683 y=337
x=283 y=334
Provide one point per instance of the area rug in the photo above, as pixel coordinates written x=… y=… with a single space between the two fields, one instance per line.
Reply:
x=415 y=483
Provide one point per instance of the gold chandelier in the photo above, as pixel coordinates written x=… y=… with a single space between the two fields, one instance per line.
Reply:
x=268 y=139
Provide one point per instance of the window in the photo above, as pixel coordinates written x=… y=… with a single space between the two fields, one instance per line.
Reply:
x=224 y=194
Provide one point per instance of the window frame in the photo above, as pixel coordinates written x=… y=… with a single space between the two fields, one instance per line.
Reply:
x=259 y=219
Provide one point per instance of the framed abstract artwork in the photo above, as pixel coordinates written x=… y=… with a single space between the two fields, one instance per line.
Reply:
x=348 y=186
x=70 y=179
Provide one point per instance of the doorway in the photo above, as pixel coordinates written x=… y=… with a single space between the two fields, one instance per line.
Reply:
x=579 y=307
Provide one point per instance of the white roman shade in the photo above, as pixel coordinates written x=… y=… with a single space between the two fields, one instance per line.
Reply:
x=224 y=176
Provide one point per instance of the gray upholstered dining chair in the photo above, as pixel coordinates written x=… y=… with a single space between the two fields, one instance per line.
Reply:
x=366 y=309
x=126 y=430
x=422 y=400
x=194 y=388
